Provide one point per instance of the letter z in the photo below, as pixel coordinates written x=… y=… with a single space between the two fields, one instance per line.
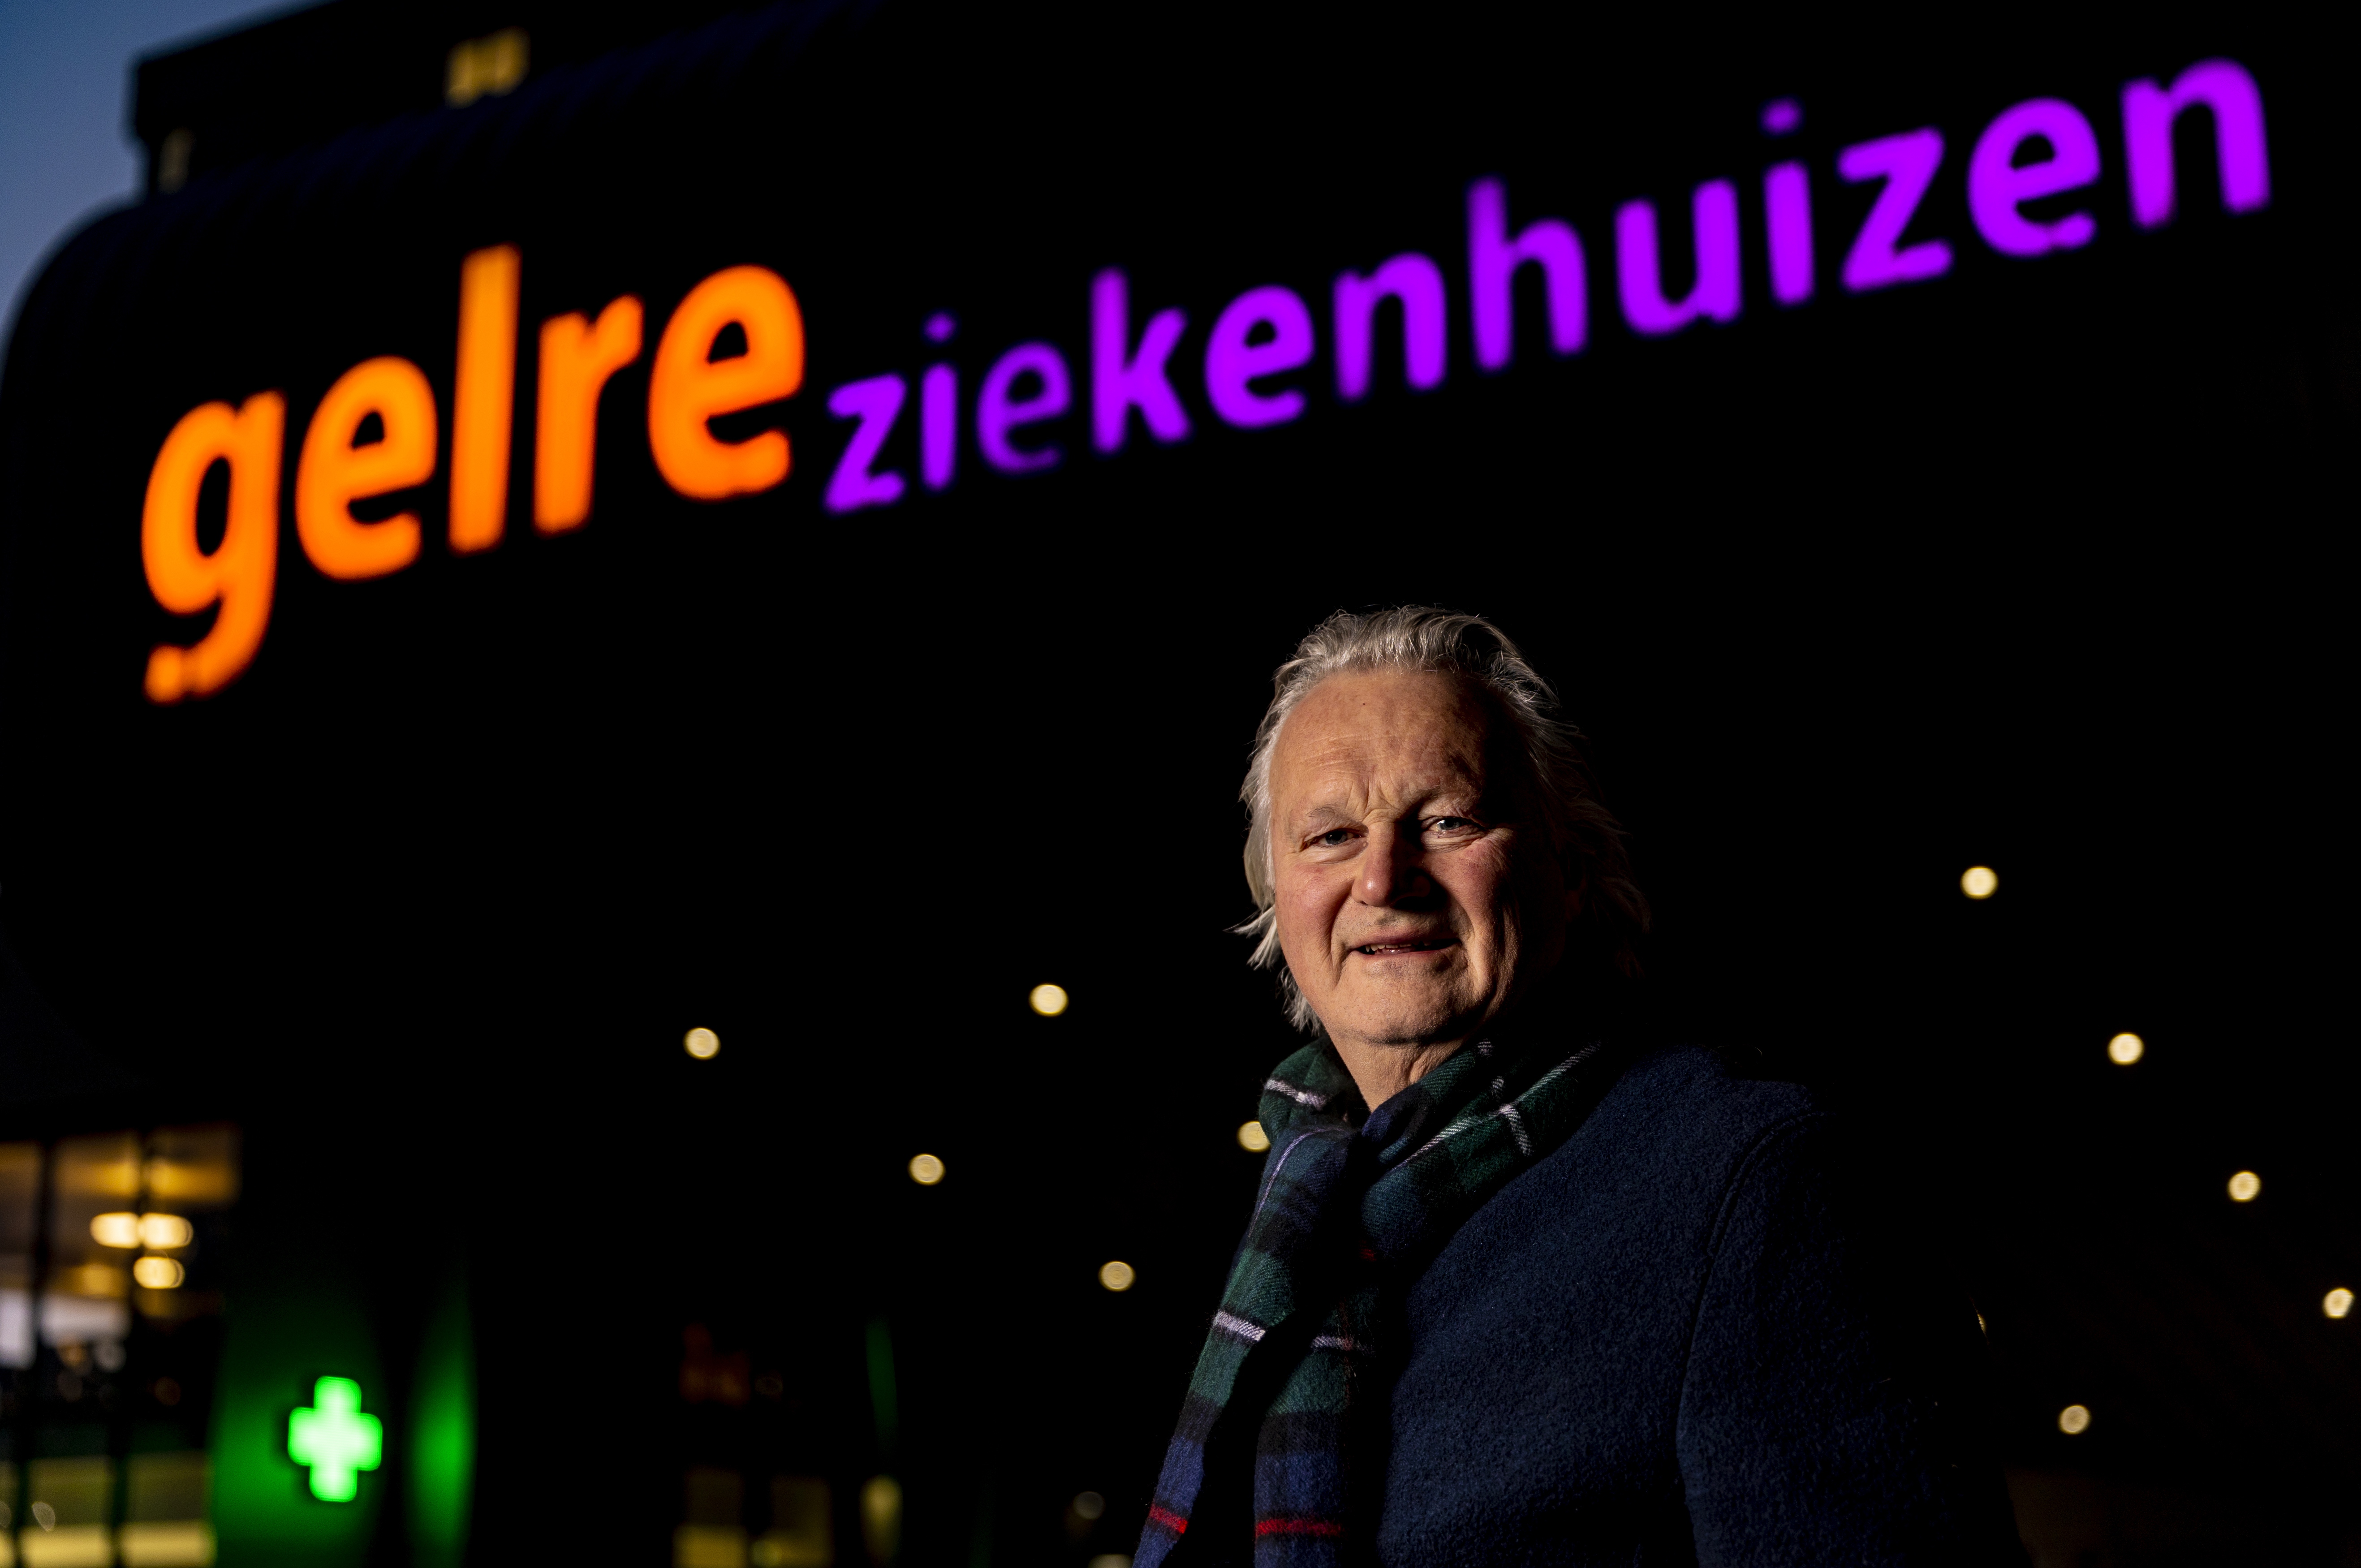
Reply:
x=1907 y=164
x=876 y=403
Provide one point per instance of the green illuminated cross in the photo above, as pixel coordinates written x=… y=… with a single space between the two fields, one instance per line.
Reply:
x=336 y=1438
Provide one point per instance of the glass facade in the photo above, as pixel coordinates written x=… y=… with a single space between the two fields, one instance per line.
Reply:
x=115 y=1250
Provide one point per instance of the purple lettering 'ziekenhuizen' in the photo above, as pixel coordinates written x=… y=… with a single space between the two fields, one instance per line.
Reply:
x=1907 y=164
x=876 y=403
x=1639 y=272
x=1122 y=379
x=999 y=410
x=1261 y=332
x=1493 y=258
x=2001 y=180
x=2229 y=93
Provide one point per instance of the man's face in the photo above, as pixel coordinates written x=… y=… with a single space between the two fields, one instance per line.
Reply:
x=1416 y=890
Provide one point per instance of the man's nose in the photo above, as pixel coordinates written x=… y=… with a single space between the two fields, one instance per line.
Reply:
x=1393 y=868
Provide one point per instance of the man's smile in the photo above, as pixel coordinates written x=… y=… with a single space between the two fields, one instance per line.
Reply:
x=1391 y=947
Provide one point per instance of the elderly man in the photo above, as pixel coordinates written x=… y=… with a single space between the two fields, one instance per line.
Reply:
x=1518 y=1288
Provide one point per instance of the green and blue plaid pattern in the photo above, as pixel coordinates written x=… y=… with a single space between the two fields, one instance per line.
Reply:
x=1281 y=1445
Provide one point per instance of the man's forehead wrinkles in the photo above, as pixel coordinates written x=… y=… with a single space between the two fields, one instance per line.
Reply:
x=1433 y=758
x=1362 y=751
x=1391 y=757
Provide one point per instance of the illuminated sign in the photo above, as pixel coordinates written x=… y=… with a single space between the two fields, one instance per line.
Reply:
x=376 y=431
x=335 y=1438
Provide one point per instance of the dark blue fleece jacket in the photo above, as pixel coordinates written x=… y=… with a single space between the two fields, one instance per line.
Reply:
x=1687 y=1335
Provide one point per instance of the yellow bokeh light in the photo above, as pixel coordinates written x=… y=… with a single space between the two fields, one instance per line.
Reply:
x=1116 y=1276
x=165 y=1231
x=1049 y=1000
x=2074 y=1419
x=103 y=1281
x=880 y=1518
x=702 y=1044
x=2245 y=1186
x=115 y=1230
x=925 y=1169
x=1252 y=1138
x=159 y=1273
x=1979 y=882
x=2125 y=1049
x=2337 y=1302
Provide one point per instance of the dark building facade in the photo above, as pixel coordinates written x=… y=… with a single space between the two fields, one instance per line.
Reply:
x=550 y=529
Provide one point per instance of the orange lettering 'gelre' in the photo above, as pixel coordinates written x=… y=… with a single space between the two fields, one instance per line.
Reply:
x=688 y=386
x=240 y=573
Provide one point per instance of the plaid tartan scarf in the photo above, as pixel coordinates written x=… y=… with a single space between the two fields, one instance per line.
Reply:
x=1281 y=1449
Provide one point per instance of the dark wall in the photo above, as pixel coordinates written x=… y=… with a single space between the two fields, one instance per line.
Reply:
x=2030 y=565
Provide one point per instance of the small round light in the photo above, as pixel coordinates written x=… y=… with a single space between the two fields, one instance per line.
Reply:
x=2337 y=1302
x=1049 y=1000
x=1979 y=882
x=1252 y=1138
x=115 y=1230
x=164 y=1231
x=1088 y=1504
x=2125 y=1049
x=2245 y=1186
x=2074 y=1419
x=702 y=1044
x=159 y=1273
x=925 y=1169
x=1116 y=1276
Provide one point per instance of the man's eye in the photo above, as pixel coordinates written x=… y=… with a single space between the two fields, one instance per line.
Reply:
x=1450 y=825
x=1333 y=838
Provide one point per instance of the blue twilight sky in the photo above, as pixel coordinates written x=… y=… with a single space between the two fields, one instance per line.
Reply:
x=66 y=150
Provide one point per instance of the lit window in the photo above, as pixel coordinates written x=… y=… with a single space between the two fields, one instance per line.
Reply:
x=1116 y=1276
x=1049 y=1000
x=162 y=1232
x=173 y=159
x=164 y=1508
x=1252 y=1138
x=486 y=67
x=159 y=1273
x=1979 y=882
x=925 y=1169
x=702 y=1044
x=2125 y=1049
x=2243 y=1186
x=115 y=1230
x=2337 y=1302
x=2074 y=1419
x=880 y=1518
x=98 y=1281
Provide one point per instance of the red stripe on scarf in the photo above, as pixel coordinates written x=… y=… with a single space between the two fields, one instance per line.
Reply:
x=1298 y=1527
x=1168 y=1518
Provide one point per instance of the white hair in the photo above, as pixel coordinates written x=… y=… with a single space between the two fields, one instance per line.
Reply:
x=1418 y=637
